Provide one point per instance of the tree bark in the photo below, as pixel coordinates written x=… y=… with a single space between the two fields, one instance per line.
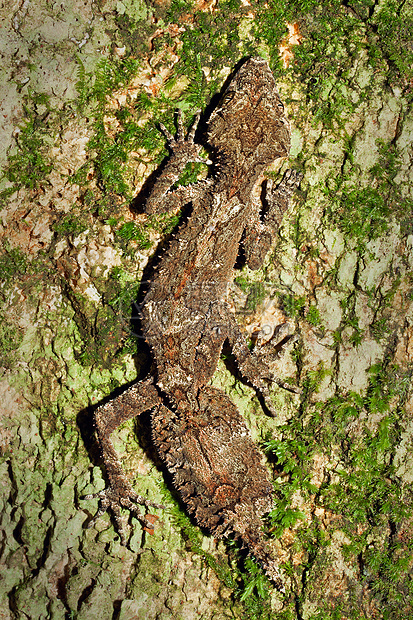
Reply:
x=74 y=249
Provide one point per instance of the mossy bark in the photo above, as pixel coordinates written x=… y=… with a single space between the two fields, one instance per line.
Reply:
x=84 y=86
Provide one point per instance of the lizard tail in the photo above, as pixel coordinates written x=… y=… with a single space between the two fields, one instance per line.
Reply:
x=261 y=552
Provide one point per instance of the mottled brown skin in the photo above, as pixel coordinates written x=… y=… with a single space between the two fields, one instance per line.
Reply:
x=196 y=429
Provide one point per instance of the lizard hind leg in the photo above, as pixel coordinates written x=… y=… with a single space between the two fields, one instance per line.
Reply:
x=119 y=492
x=254 y=368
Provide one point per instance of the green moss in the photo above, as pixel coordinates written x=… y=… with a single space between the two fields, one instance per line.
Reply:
x=364 y=213
x=313 y=316
x=393 y=23
x=69 y=225
x=10 y=340
x=12 y=262
x=380 y=328
x=130 y=232
x=212 y=41
x=110 y=75
x=111 y=149
x=191 y=173
x=256 y=292
x=29 y=166
x=367 y=494
x=293 y=306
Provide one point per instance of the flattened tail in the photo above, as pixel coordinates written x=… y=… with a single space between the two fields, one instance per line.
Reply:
x=273 y=572
x=261 y=552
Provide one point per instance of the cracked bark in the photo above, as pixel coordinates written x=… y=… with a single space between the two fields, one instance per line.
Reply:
x=53 y=313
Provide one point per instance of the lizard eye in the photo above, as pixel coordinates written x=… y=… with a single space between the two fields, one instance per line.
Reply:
x=227 y=98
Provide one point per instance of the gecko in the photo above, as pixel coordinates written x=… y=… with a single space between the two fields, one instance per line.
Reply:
x=196 y=429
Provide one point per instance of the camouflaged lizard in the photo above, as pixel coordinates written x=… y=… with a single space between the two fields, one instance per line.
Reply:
x=197 y=430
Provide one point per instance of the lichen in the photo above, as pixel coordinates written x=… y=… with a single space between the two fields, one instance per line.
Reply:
x=85 y=104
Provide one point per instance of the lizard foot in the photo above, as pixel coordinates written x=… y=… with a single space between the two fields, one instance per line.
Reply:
x=184 y=150
x=281 y=339
x=111 y=498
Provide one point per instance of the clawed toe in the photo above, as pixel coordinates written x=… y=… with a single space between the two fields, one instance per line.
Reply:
x=287 y=386
x=110 y=499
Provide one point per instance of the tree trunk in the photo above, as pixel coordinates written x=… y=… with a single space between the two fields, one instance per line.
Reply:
x=84 y=88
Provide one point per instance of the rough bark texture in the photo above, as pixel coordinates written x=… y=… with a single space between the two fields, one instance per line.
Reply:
x=80 y=140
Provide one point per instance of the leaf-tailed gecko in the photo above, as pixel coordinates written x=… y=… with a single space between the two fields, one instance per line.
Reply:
x=197 y=430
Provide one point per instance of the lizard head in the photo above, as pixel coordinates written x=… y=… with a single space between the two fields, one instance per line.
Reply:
x=249 y=126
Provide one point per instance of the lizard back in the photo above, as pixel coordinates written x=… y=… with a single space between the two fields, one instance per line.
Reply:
x=183 y=309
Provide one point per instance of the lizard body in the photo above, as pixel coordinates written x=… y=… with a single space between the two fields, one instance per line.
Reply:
x=196 y=429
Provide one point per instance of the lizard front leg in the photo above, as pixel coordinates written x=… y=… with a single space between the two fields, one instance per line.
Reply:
x=278 y=198
x=259 y=235
x=134 y=401
x=183 y=151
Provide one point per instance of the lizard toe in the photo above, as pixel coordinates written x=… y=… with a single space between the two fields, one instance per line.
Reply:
x=111 y=499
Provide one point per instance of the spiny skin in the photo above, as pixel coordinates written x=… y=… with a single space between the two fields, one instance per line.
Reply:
x=196 y=429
